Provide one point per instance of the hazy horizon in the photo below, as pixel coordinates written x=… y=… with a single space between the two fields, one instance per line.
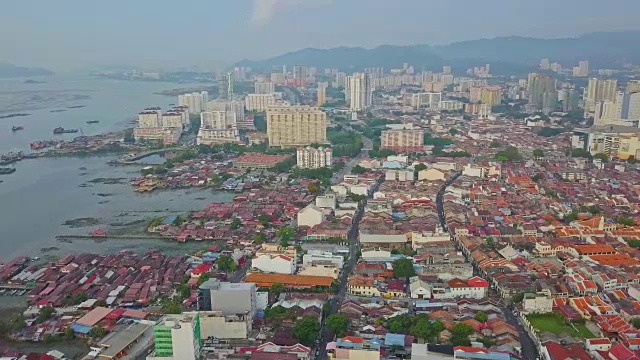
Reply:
x=78 y=34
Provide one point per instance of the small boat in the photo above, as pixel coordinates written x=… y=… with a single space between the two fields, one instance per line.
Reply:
x=2 y=291
x=7 y=170
x=93 y=122
x=13 y=292
x=17 y=128
x=61 y=130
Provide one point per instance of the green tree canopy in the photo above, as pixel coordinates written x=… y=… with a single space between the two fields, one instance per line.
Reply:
x=306 y=330
x=226 y=263
x=277 y=288
x=358 y=170
x=339 y=324
x=481 y=316
x=538 y=153
x=403 y=268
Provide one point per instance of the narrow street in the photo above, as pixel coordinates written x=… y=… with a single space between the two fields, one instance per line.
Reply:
x=336 y=300
x=440 y=200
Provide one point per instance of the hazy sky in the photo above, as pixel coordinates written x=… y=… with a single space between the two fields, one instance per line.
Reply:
x=68 y=34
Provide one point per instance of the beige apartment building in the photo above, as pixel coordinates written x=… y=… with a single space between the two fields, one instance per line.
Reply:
x=296 y=126
x=259 y=102
x=403 y=140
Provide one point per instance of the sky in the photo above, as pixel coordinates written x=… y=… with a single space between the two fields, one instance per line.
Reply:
x=168 y=34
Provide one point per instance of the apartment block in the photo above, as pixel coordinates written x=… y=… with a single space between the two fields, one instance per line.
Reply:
x=178 y=337
x=403 y=140
x=227 y=298
x=314 y=158
x=289 y=126
x=264 y=88
x=259 y=102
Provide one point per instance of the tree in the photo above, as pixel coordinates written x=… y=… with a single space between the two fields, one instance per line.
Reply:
x=453 y=132
x=173 y=306
x=235 y=223
x=69 y=334
x=45 y=314
x=358 y=170
x=97 y=332
x=226 y=263
x=549 y=132
x=491 y=243
x=285 y=233
x=184 y=290
x=201 y=280
x=636 y=322
x=338 y=324
x=462 y=329
x=495 y=144
x=511 y=153
x=400 y=324
x=313 y=187
x=603 y=157
x=578 y=152
x=538 y=153
x=78 y=298
x=100 y=303
x=306 y=330
x=517 y=298
x=419 y=167
x=260 y=238
x=572 y=216
x=537 y=177
x=403 y=268
x=594 y=210
x=460 y=340
x=626 y=221
x=482 y=317
x=277 y=288
x=423 y=329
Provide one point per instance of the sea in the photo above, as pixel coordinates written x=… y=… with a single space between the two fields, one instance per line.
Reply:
x=43 y=194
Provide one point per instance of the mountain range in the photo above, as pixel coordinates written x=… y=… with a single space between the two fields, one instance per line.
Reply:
x=507 y=55
x=11 y=71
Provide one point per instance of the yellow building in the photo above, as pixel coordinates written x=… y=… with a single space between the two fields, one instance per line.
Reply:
x=296 y=126
x=491 y=95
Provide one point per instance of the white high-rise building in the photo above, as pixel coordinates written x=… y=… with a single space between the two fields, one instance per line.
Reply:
x=259 y=102
x=264 y=88
x=178 y=337
x=217 y=127
x=150 y=118
x=430 y=100
x=341 y=80
x=544 y=64
x=361 y=92
x=194 y=101
x=314 y=158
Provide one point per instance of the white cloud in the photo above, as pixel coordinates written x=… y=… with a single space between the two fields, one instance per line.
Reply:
x=264 y=11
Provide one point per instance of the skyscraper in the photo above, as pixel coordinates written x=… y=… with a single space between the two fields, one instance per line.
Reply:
x=582 y=70
x=225 y=86
x=538 y=85
x=322 y=94
x=264 y=88
x=361 y=92
x=599 y=90
x=544 y=64
x=300 y=72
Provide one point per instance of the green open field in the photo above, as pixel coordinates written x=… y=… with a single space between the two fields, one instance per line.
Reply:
x=549 y=323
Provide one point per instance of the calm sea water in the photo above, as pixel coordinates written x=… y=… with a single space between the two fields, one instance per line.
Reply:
x=42 y=194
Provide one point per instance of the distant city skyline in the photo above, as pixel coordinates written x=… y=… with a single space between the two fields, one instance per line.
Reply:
x=77 y=34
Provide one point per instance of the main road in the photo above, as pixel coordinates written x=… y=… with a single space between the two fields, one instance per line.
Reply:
x=336 y=300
